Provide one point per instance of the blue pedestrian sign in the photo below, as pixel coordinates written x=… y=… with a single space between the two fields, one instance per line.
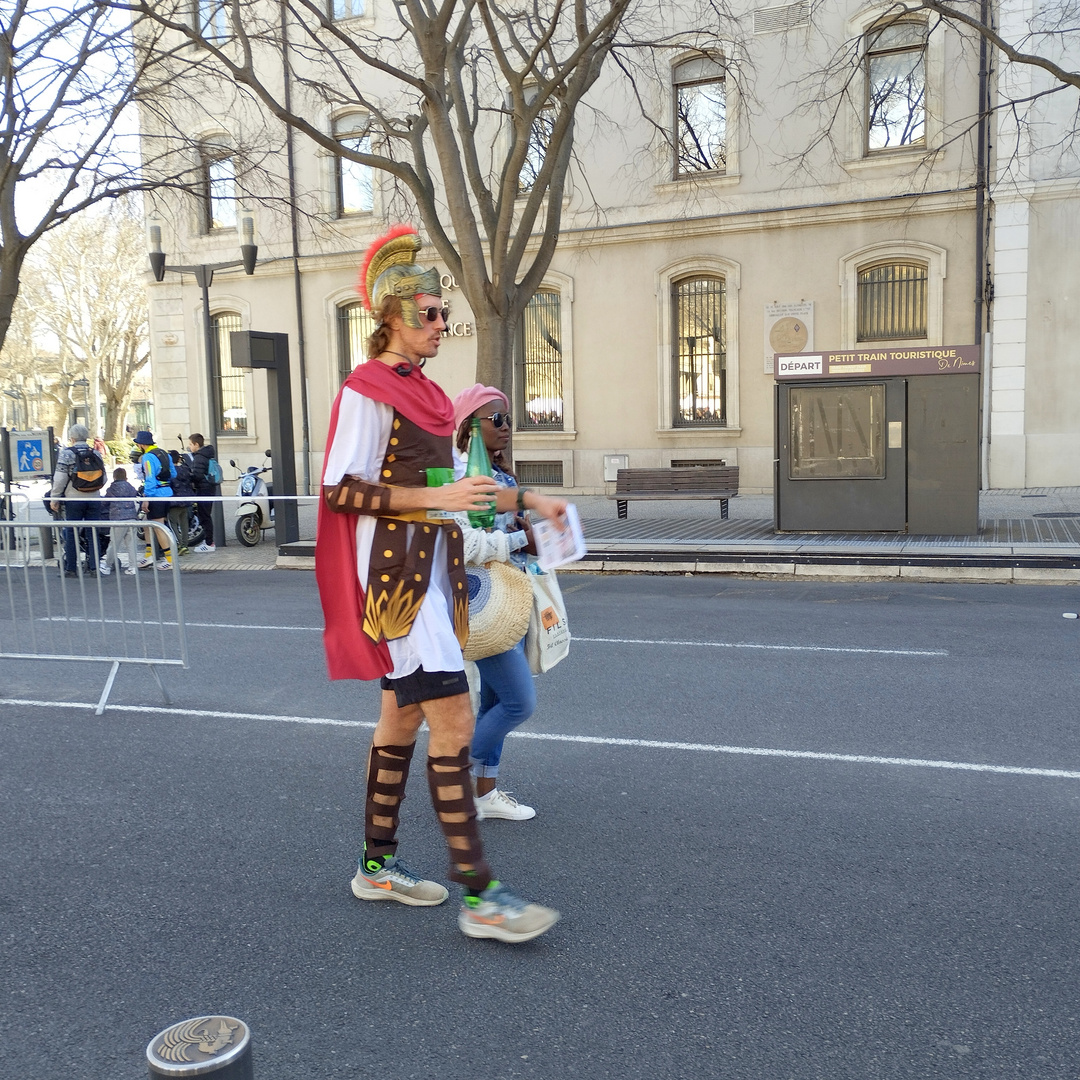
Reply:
x=30 y=457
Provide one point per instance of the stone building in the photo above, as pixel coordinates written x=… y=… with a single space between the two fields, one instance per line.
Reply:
x=812 y=181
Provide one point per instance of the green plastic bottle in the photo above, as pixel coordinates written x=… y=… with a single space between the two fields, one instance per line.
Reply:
x=479 y=464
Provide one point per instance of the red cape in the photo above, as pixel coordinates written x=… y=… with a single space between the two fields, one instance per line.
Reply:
x=350 y=653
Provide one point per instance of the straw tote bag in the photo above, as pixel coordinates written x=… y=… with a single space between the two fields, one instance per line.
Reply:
x=500 y=603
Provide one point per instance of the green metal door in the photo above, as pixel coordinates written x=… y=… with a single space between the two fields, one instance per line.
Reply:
x=841 y=456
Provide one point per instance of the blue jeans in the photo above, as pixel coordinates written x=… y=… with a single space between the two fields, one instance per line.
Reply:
x=507 y=699
x=90 y=540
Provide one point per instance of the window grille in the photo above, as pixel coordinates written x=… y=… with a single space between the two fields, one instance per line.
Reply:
x=699 y=352
x=700 y=117
x=892 y=301
x=539 y=382
x=896 y=86
x=769 y=20
x=539 y=472
x=231 y=385
x=355 y=326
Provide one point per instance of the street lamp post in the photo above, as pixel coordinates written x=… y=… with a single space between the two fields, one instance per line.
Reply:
x=204 y=276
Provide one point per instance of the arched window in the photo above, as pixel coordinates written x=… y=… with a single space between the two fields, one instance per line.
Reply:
x=700 y=96
x=892 y=301
x=354 y=326
x=539 y=373
x=230 y=384
x=699 y=351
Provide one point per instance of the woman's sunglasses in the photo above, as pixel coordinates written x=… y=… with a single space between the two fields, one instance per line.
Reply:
x=432 y=314
x=499 y=418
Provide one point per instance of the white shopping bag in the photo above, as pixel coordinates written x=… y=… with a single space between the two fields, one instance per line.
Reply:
x=548 y=639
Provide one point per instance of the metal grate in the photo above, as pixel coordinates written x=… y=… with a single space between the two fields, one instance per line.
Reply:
x=892 y=301
x=769 y=20
x=355 y=325
x=231 y=383
x=696 y=464
x=699 y=352
x=539 y=365
x=539 y=472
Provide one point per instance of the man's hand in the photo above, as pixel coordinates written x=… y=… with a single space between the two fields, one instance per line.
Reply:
x=55 y=507
x=469 y=493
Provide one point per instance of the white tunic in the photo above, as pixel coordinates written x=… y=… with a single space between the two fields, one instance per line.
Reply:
x=359 y=449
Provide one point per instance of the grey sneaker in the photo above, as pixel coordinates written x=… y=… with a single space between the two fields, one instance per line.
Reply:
x=395 y=881
x=498 y=913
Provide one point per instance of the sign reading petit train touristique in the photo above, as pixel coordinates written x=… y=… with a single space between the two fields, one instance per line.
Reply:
x=924 y=360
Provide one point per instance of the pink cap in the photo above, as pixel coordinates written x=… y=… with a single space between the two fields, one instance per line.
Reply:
x=468 y=401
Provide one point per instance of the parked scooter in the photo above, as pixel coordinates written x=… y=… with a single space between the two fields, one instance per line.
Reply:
x=256 y=510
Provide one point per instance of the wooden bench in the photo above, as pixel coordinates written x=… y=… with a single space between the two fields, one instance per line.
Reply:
x=696 y=482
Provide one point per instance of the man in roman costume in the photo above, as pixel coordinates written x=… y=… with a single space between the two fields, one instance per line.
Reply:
x=392 y=583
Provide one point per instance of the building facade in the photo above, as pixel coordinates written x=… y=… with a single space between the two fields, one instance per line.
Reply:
x=813 y=184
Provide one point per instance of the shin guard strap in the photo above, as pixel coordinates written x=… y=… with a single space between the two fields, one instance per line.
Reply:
x=467 y=864
x=391 y=761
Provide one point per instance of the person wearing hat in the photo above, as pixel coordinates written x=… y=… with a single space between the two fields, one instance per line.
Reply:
x=507 y=693
x=157 y=490
x=393 y=589
x=77 y=505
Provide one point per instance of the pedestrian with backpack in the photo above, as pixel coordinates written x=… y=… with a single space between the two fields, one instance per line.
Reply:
x=206 y=476
x=76 y=493
x=183 y=486
x=157 y=491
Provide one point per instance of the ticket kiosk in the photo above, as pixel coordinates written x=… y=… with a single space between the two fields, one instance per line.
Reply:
x=878 y=441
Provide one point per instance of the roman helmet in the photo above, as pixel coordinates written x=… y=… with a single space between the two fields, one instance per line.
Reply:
x=389 y=268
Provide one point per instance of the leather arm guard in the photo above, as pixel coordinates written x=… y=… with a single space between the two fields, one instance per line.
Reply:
x=354 y=496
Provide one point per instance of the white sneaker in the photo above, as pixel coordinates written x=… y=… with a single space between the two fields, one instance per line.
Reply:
x=204 y=549
x=500 y=804
x=163 y=564
x=145 y=564
x=104 y=569
x=131 y=571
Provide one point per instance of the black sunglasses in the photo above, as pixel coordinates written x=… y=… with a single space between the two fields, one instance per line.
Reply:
x=432 y=314
x=499 y=418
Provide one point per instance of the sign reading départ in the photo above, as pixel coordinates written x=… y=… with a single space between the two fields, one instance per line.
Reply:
x=880 y=363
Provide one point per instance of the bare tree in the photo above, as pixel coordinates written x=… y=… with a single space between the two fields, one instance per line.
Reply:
x=81 y=315
x=69 y=75
x=471 y=108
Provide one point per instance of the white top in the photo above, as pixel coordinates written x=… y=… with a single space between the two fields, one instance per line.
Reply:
x=359 y=449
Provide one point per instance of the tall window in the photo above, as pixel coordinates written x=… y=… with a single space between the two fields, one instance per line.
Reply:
x=699 y=351
x=345 y=9
x=219 y=191
x=539 y=141
x=540 y=365
x=896 y=86
x=230 y=385
x=892 y=301
x=354 y=326
x=700 y=94
x=354 y=182
x=213 y=19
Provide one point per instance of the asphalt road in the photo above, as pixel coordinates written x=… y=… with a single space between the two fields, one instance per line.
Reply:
x=771 y=858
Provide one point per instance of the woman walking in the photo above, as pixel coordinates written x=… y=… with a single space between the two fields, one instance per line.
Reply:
x=507 y=694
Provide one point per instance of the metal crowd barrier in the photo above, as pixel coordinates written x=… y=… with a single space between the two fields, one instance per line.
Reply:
x=131 y=616
x=14 y=506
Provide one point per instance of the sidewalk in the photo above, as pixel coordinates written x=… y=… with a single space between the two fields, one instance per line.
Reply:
x=1024 y=535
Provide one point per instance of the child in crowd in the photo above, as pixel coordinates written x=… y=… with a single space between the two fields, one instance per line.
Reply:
x=121 y=549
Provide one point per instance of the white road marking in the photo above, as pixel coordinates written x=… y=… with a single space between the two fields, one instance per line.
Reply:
x=592 y=740
x=592 y=640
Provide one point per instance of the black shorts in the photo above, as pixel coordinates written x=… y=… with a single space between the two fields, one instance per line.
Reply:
x=424 y=685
